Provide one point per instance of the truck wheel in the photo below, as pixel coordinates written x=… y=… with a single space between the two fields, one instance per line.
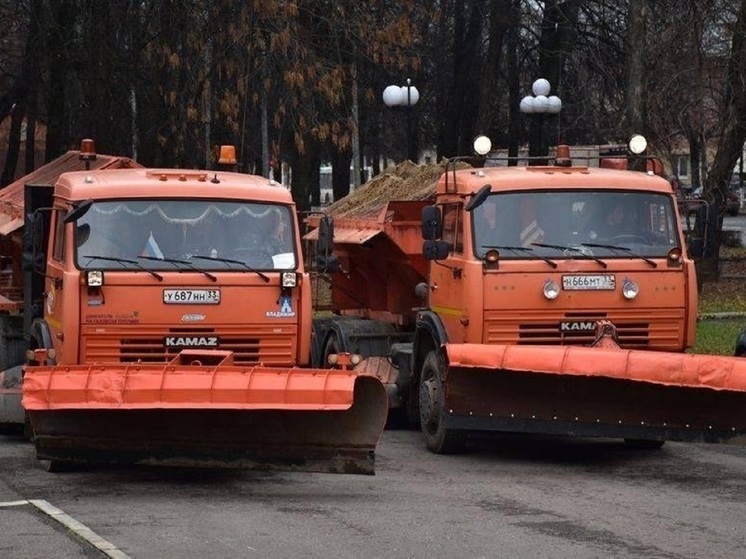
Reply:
x=56 y=466
x=332 y=346
x=438 y=439
x=12 y=349
x=412 y=405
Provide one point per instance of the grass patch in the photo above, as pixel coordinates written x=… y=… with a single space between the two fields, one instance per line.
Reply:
x=717 y=337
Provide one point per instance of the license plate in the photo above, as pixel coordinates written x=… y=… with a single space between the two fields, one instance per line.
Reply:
x=191 y=296
x=589 y=282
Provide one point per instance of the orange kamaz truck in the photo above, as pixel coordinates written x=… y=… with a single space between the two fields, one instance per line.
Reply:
x=173 y=326
x=555 y=298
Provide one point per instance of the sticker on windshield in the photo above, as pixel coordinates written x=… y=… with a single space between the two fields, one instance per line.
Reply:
x=283 y=260
x=285 y=308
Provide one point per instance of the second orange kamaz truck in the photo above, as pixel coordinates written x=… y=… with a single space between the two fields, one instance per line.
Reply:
x=554 y=298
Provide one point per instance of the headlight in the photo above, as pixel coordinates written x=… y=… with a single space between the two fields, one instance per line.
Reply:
x=630 y=289
x=492 y=256
x=94 y=278
x=551 y=290
x=289 y=279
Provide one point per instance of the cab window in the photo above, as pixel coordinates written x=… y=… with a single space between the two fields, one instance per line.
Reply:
x=58 y=250
x=452 y=233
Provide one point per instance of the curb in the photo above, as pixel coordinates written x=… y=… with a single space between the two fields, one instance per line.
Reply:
x=720 y=315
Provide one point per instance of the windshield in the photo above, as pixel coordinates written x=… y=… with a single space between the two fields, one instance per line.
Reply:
x=184 y=234
x=609 y=224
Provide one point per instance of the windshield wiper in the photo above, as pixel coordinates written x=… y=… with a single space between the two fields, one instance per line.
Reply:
x=231 y=261
x=552 y=263
x=623 y=249
x=572 y=249
x=153 y=273
x=177 y=261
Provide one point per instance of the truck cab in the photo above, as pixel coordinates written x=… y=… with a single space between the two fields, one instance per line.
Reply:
x=142 y=264
x=544 y=253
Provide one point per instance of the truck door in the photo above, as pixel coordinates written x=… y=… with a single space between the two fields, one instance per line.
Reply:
x=447 y=297
x=55 y=284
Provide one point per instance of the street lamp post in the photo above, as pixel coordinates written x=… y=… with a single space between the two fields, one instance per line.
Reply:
x=404 y=96
x=539 y=105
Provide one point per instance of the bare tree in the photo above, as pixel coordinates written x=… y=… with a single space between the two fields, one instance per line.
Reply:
x=731 y=138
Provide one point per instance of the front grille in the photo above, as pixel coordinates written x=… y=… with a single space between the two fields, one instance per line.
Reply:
x=146 y=345
x=648 y=330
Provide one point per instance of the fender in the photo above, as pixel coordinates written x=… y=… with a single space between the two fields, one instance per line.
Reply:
x=430 y=334
x=320 y=329
x=41 y=337
x=354 y=335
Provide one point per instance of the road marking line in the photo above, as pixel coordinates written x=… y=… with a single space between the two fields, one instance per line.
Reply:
x=13 y=503
x=78 y=528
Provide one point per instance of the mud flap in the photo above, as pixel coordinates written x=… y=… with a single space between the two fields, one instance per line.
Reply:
x=596 y=392
x=295 y=419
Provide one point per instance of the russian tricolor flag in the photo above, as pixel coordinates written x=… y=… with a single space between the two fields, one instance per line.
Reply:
x=151 y=248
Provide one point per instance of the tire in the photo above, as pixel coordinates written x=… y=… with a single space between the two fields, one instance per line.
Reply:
x=438 y=439
x=12 y=348
x=57 y=466
x=643 y=444
x=412 y=405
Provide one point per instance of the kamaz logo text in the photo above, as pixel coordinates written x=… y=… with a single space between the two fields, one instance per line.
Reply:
x=191 y=341
x=577 y=326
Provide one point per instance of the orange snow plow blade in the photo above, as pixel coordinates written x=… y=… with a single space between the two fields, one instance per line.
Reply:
x=215 y=415
x=597 y=392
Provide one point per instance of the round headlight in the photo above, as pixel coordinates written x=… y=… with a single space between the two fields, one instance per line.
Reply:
x=355 y=359
x=333 y=358
x=492 y=256
x=551 y=290
x=630 y=289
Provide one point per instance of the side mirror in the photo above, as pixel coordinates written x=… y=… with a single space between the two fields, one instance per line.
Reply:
x=326 y=262
x=478 y=198
x=78 y=211
x=432 y=223
x=326 y=235
x=705 y=227
x=82 y=233
x=741 y=345
x=434 y=250
x=33 y=258
x=697 y=247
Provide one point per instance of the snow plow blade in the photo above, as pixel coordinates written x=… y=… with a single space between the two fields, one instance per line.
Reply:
x=596 y=392
x=210 y=416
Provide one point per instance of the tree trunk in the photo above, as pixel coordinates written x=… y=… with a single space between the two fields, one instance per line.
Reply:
x=636 y=52
x=557 y=37
x=14 y=145
x=306 y=175
x=730 y=145
x=60 y=28
x=341 y=174
x=514 y=84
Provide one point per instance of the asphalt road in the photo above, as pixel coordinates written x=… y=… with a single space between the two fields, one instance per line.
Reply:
x=511 y=496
